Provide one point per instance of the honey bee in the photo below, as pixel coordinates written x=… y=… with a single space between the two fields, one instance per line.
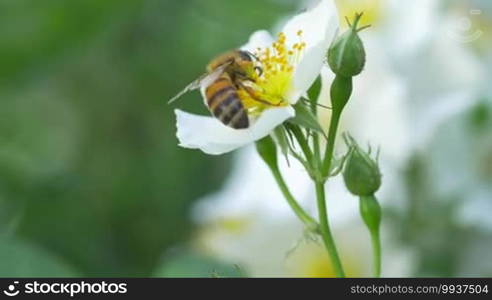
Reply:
x=226 y=75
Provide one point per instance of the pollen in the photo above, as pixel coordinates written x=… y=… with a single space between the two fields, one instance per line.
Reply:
x=271 y=87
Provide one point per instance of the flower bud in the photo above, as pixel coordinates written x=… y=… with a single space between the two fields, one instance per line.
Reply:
x=346 y=55
x=361 y=173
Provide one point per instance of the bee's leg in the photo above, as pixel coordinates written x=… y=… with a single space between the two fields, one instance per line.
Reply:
x=254 y=96
x=259 y=70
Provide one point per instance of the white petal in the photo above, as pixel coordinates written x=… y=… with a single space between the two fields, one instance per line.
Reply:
x=414 y=19
x=259 y=39
x=307 y=70
x=319 y=26
x=212 y=137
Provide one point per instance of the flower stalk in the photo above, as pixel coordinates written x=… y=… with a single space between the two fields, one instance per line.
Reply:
x=321 y=199
x=326 y=232
x=346 y=58
x=370 y=212
x=362 y=178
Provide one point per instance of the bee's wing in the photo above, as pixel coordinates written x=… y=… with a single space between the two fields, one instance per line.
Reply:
x=210 y=77
x=190 y=87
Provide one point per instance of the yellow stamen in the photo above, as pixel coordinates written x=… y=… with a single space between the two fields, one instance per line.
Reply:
x=272 y=88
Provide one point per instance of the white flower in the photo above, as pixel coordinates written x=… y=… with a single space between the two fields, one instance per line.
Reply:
x=290 y=64
x=459 y=162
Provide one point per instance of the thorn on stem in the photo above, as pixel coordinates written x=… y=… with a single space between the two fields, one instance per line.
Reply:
x=348 y=21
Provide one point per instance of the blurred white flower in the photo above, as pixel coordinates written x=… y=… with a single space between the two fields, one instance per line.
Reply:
x=250 y=224
x=460 y=164
x=250 y=189
x=415 y=80
x=290 y=64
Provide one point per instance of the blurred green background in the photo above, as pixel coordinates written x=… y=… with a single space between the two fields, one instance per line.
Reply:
x=90 y=173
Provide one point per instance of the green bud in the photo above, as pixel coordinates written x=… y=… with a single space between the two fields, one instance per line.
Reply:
x=346 y=55
x=268 y=151
x=361 y=173
x=340 y=91
x=370 y=212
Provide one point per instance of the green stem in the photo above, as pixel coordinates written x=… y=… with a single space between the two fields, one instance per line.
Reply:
x=376 y=249
x=298 y=210
x=326 y=232
x=371 y=214
x=320 y=192
x=317 y=152
x=330 y=144
x=316 y=148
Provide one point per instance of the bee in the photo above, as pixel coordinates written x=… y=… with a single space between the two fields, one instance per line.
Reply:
x=226 y=75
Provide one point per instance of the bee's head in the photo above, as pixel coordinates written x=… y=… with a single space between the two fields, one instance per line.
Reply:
x=249 y=62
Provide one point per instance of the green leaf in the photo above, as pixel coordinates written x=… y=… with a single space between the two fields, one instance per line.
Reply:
x=306 y=118
x=282 y=140
x=289 y=134
x=268 y=151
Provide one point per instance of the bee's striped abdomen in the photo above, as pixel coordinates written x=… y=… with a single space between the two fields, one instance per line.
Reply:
x=225 y=104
